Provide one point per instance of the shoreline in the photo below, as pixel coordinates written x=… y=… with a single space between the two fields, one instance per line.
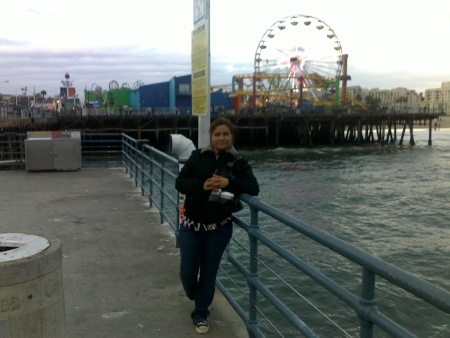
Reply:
x=443 y=123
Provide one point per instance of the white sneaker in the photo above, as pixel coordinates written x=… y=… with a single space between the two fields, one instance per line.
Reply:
x=202 y=327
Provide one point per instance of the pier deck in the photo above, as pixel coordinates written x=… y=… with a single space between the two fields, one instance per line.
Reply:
x=120 y=265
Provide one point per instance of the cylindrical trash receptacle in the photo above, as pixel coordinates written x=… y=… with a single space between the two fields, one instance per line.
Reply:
x=31 y=287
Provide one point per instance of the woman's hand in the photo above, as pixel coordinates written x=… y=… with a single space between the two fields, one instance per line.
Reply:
x=216 y=182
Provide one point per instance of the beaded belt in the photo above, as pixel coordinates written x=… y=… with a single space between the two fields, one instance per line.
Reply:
x=196 y=226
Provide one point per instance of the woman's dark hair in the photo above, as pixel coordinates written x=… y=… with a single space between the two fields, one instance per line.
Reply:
x=221 y=121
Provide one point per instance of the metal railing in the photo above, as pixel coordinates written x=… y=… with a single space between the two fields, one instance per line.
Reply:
x=364 y=304
x=155 y=173
x=97 y=150
x=101 y=149
x=263 y=280
x=12 y=151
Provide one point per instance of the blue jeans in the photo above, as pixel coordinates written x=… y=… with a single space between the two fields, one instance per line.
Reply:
x=201 y=252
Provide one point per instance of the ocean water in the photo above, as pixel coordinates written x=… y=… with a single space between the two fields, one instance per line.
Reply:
x=391 y=201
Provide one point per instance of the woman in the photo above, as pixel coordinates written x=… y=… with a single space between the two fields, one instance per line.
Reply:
x=206 y=226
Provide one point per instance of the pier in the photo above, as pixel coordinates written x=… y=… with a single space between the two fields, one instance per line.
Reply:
x=252 y=131
x=120 y=264
x=120 y=260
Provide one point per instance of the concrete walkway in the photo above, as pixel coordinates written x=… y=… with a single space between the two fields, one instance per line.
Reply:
x=120 y=265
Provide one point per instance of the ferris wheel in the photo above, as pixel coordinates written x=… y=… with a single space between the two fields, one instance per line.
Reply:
x=298 y=53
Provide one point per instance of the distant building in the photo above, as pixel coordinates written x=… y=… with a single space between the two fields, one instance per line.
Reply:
x=438 y=100
x=172 y=97
x=392 y=100
x=402 y=99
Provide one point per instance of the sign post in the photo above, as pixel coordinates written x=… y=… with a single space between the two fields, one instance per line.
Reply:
x=200 y=70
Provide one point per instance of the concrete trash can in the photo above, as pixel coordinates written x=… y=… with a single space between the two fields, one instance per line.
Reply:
x=31 y=287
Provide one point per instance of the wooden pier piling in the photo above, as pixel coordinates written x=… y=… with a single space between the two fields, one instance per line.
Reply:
x=252 y=131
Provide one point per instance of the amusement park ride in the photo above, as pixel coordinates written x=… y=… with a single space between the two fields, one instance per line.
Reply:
x=299 y=58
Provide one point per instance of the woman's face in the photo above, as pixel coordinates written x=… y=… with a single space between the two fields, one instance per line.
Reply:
x=221 y=138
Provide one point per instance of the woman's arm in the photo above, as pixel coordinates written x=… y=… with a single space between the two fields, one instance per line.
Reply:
x=188 y=180
x=243 y=180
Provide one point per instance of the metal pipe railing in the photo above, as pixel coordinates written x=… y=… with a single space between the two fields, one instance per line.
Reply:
x=364 y=305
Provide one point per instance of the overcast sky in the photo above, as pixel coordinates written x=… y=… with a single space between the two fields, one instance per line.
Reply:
x=390 y=43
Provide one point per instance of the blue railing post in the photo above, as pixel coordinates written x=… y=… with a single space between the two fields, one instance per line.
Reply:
x=150 y=189
x=163 y=164
x=130 y=159
x=136 y=162
x=142 y=164
x=124 y=152
x=367 y=303
x=253 y=270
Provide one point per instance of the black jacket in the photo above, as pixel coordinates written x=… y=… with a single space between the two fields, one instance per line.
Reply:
x=199 y=167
